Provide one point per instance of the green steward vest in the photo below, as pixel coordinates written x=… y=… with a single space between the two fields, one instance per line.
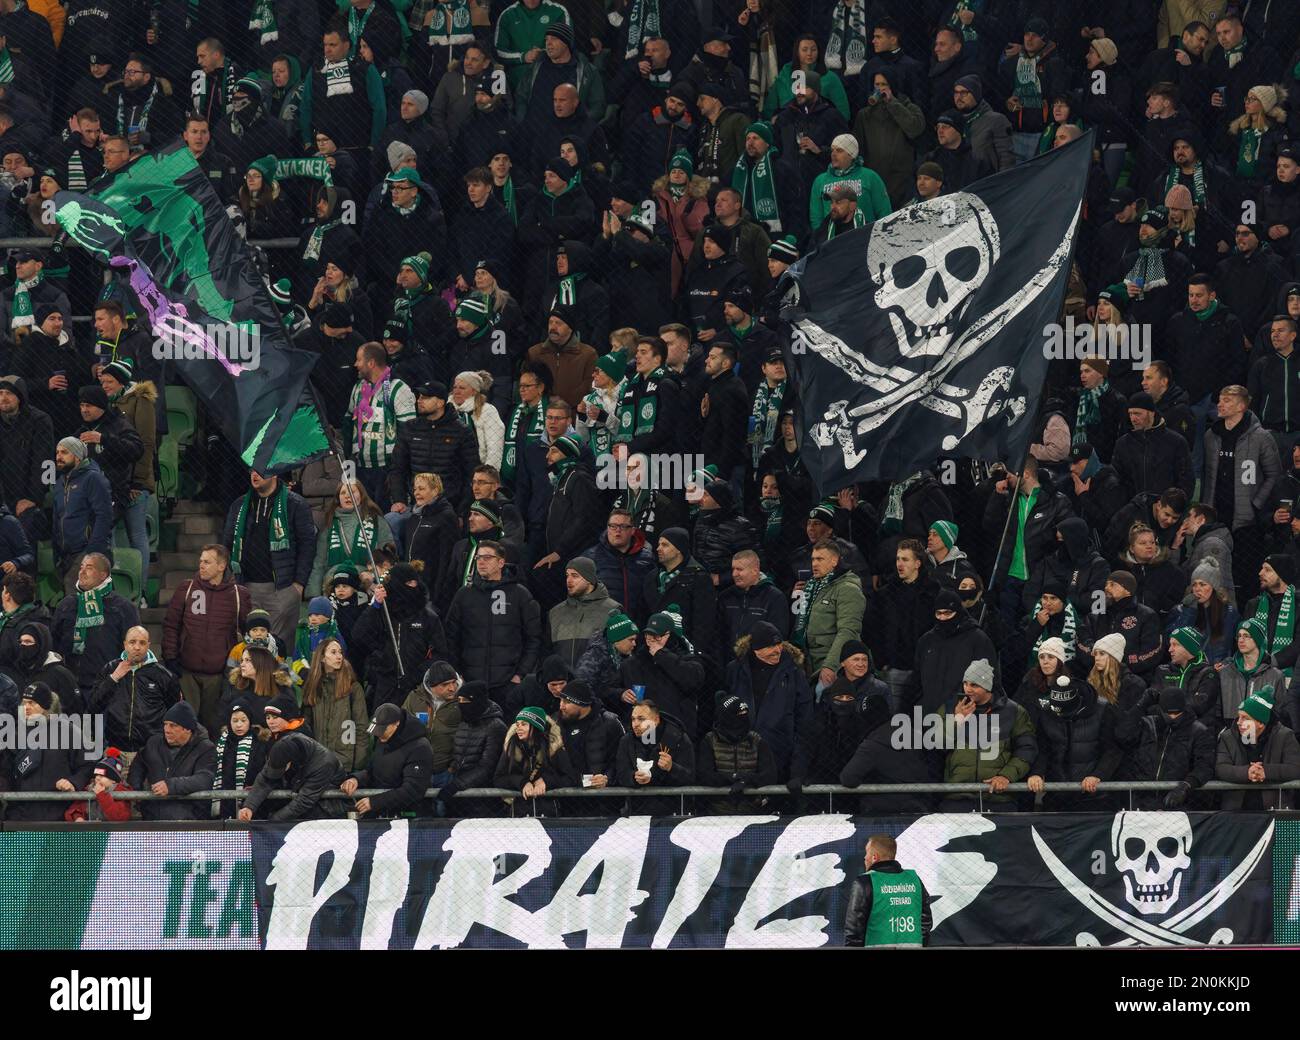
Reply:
x=895 y=909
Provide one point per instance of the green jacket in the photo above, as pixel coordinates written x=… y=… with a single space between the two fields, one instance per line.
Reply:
x=519 y=30
x=834 y=618
x=873 y=198
x=444 y=717
x=340 y=723
x=1017 y=748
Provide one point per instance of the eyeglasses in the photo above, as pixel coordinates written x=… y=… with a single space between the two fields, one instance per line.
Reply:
x=487 y=556
x=529 y=386
x=620 y=527
x=132 y=72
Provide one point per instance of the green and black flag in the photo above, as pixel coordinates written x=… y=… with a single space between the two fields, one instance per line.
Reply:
x=162 y=225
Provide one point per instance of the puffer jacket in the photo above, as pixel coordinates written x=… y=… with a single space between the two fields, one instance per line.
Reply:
x=671 y=737
x=1235 y=686
x=474 y=748
x=740 y=609
x=576 y=513
x=943 y=655
x=876 y=760
x=1149 y=461
x=1200 y=682
x=494 y=630
x=672 y=679
x=117 y=453
x=1280 y=758
x=133 y=706
x=139 y=404
x=444 y=446
x=573 y=622
x=783 y=715
x=1079 y=745
x=624 y=573
x=83 y=511
x=39 y=769
x=1255 y=448
x=592 y=743
x=719 y=534
x=1180 y=749
x=519 y=764
x=29 y=445
x=340 y=722
x=186 y=770
x=402 y=765
x=203 y=622
x=834 y=617
x=318 y=772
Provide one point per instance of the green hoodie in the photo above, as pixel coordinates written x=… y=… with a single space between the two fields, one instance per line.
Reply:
x=519 y=30
x=873 y=198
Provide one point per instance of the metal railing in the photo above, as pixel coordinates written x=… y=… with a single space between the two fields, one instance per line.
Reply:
x=830 y=791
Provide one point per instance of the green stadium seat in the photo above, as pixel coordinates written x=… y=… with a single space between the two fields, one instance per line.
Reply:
x=49 y=590
x=126 y=573
x=152 y=523
x=169 y=468
x=181 y=407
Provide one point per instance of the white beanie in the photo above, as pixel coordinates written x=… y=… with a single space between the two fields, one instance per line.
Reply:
x=1266 y=96
x=847 y=143
x=1113 y=645
x=1054 y=646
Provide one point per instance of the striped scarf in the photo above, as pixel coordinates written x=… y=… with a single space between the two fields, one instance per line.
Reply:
x=813 y=588
x=1088 y=413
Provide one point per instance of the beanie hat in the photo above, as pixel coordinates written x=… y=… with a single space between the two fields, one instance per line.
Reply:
x=1265 y=95
x=1108 y=52
x=73 y=447
x=281 y=293
x=320 y=605
x=554 y=670
x=784 y=249
x=1254 y=628
x=1257 y=707
x=474 y=309
x=1063 y=695
x=578 y=692
x=420 y=98
x=438 y=673
x=284 y=705
x=122 y=369
x=1191 y=640
x=1208 y=571
x=851 y=647
x=110 y=765
x=570 y=445
x=1156 y=217
x=40 y=693
x=534 y=716
x=1099 y=365
x=1125 y=580
x=93 y=394
x=1038 y=26
x=823 y=511
x=761 y=129
x=1173 y=698
x=974 y=85
x=684 y=91
x=265 y=166
x=618 y=627
x=399 y=152
x=1283 y=565
x=613 y=365
x=679 y=539
x=488 y=509
x=181 y=714
x=562 y=31
x=1178 y=197
x=947 y=532
x=1054 y=646
x=846 y=143
x=1142 y=401
x=763 y=635
x=980 y=673
x=682 y=160
x=419 y=263
x=720 y=491
x=585 y=567
x=1112 y=645
x=952 y=118
x=249 y=85
x=1116 y=295
x=930 y=169
x=1055 y=587
x=258 y=618
x=722 y=236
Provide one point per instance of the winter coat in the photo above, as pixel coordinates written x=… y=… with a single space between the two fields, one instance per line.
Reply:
x=726 y=424
x=723 y=762
x=203 y=622
x=821 y=122
x=943 y=655
x=1153 y=460
x=961 y=167
x=571 y=365
x=783 y=714
x=624 y=574
x=1142 y=509
x=494 y=630
x=572 y=623
x=887 y=133
x=719 y=144
x=673 y=679
x=444 y=446
x=1280 y=757
x=1080 y=745
x=420 y=639
x=691 y=588
x=138 y=404
x=719 y=534
x=188 y=769
x=1235 y=686
x=474 y=748
x=900 y=614
x=1049 y=510
x=432 y=528
x=1017 y=748
x=834 y=617
x=1207 y=354
x=739 y=610
x=103 y=642
x=989 y=134
x=133 y=706
x=340 y=722
x=83 y=511
x=521 y=764
x=1201 y=684
x=671 y=737
x=650 y=141
x=39 y=769
x=707 y=285
x=1256 y=454
x=876 y=760
x=636 y=276
x=319 y=772
x=402 y=765
x=1102 y=435
x=440 y=723
x=1248 y=285
x=287 y=565
x=592 y=743
x=1181 y=750
x=685 y=219
x=576 y=513
x=1139 y=625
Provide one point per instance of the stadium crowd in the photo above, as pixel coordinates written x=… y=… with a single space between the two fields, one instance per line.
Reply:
x=572 y=540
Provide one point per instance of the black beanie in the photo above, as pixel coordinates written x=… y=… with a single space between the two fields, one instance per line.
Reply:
x=948 y=600
x=763 y=635
x=851 y=647
x=1173 y=698
x=284 y=705
x=93 y=394
x=679 y=539
x=1284 y=565
x=731 y=718
x=181 y=714
x=40 y=693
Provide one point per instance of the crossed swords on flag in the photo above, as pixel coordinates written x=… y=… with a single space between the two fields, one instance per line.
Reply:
x=1171 y=933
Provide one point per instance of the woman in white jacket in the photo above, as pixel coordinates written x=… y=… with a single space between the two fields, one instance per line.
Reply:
x=469 y=394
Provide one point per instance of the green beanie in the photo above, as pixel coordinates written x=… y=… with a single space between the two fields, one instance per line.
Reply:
x=1257 y=632
x=1192 y=640
x=282 y=292
x=762 y=128
x=1257 y=707
x=570 y=445
x=947 y=532
x=419 y=263
x=1116 y=295
x=474 y=309
x=265 y=166
x=534 y=716
x=613 y=365
x=618 y=628
x=682 y=160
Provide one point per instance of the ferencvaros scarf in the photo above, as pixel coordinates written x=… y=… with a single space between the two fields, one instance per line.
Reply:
x=338 y=550
x=1198 y=181
x=642 y=24
x=893 y=520
x=90 y=612
x=847 y=47
x=1088 y=412
x=279 y=533
x=1248 y=151
x=757 y=187
x=1028 y=88
x=766 y=411
x=262 y=21
x=1284 y=631
x=813 y=588
x=22 y=314
x=536 y=425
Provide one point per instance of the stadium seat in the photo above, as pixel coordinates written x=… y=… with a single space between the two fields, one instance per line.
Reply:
x=169 y=468
x=49 y=590
x=181 y=407
x=126 y=573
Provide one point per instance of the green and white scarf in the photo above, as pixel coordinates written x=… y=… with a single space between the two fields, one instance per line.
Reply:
x=1198 y=181
x=1248 y=151
x=141 y=124
x=832 y=228
x=1029 y=88
x=1088 y=412
x=1235 y=54
x=567 y=293
x=757 y=187
x=90 y=612
x=766 y=411
x=1149 y=267
x=772 y=529
x=813 y=588
x=357 y=23
x=317 y=168
x=893 y=520
x=279 y=532
x=15 y=616
x=560 y=470
x=642 y=24
x=1284 y=631
x=338 y=551
x=6 y=67
x=635 y=420
x=450 y=25
x=536 y=426
x=847 y=47
x=968 y=32
x=263 y=22
x=317 y=236
x=492 y=534
x=1068 y=632
x=243 y=752
x=338 y=77
x=22 y=315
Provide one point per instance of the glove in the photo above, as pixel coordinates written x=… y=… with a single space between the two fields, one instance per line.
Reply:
x=794 y=785
x=1175 y=798
x=450 y=789
x=738 y=787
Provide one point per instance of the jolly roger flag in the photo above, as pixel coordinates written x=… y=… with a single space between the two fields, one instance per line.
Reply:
x=160 y=223
x=921 y=335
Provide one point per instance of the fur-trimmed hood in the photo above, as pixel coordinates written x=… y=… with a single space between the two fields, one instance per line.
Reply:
x=696 y=187
x=282 y=678
x=554 y=739
x=742 y=648
x=144 y=388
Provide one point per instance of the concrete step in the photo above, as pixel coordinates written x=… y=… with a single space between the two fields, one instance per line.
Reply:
x=192 y=544
x=177 y=561
x=188 y=507
x=154 y=615
x=208 y=524
x=155 y=639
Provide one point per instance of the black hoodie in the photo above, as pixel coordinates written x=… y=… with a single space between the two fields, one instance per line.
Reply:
x=944 y=653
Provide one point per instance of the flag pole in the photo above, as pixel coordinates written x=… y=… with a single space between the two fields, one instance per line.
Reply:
x=1002 y=540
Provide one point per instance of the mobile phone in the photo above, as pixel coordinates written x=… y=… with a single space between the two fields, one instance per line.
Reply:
x=804 y=573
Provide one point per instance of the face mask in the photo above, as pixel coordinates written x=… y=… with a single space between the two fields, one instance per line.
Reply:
x=843 y=709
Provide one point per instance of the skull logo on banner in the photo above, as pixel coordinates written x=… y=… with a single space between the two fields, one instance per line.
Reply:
x=927 y=263
x=1152 y=849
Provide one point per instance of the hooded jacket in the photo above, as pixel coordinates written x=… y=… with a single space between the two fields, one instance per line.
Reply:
x=673 y=678
x=339 y=722
x=839 y=727
x=782 y=714
x=670 y=736
x=187 y=769
x=592 y=743
x=402 y=765
x=314 y=771
x=83 y=511
x=521 y=763
x=691 y=588
x=474 y=747
x=1079 y=744
x=39 y=663
x=1050 y=509
x=946 y=650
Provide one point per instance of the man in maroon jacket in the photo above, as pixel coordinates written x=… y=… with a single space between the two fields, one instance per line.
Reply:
x=205 y=618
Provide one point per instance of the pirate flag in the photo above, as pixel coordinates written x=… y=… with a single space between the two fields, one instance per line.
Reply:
x=921 y=334
x=160 y=223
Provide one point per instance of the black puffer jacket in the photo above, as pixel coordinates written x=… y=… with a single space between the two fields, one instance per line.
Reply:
x=719 y=534
x=672 y=679
x=36 y=769
x=944 y=653
x=1201 y=684
x=1075 y=564
x=1082 y=744
x=314 y=770
x=475 y=748
x=576 y=514
x=402 y=765
x=671 y=737
x=445 y=446
x=592 y=743
x=1181 y=750
x=133 y=706
x=691 y=588
x=429 y=535
x=1153 y=460
x=877 y=761
x=494 y=630
x=420 y=639
x=185 y=770
x=1050 y=508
